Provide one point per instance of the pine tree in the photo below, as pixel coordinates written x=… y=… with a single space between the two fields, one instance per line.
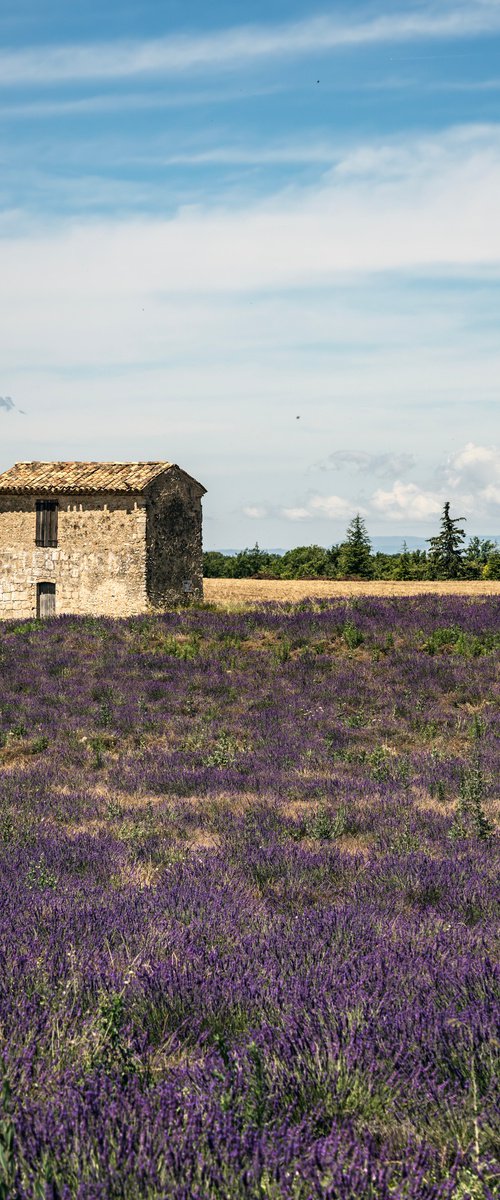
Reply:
x=445 y=552
x=355 y=557
x=404 y=563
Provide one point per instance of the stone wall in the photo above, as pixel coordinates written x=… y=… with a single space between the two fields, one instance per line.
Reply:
x=174 y=540
x=98 y=566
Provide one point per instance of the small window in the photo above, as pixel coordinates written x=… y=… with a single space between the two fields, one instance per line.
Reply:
x=46 y=522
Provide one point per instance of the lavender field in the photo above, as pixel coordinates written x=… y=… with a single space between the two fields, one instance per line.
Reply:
x=249 y=901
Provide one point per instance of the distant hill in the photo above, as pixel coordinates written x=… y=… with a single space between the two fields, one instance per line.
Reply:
x=391 y=544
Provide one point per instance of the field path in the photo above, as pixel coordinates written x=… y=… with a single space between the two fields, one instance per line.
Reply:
x=229 y=592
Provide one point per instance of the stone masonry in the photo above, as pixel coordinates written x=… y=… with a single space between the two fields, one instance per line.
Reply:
x=124 y=546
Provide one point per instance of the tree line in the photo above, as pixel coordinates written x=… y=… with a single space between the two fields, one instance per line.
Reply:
x=449 y=556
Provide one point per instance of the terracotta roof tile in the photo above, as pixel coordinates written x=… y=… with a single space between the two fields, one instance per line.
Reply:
x=82 y=477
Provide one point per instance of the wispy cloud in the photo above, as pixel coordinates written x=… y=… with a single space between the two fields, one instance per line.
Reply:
x=7 y=403
x=118 y=102
x=234 y=47
x=386 y=466
x=389 y=207
x=150 y=100
x=464 y=85
x=257 y=155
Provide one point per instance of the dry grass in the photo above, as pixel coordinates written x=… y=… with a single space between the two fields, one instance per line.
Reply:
x=235 y=593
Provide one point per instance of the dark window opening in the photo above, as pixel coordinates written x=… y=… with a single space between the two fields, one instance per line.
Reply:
x=45 y=599
x=46 y=522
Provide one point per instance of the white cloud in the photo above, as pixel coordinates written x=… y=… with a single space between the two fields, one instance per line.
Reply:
x=333 y=507
x=491 y=494
x=470 y=480
x=406 y=502
x=235 y=47
x=473 y=466
x=256 y=512
x=296 y=514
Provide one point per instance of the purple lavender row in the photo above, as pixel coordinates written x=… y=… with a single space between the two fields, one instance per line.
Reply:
x=249 y=904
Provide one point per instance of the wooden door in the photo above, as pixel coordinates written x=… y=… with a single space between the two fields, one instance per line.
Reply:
x=45 y=599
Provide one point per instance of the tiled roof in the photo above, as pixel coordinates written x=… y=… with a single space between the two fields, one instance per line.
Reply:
x=82 y=477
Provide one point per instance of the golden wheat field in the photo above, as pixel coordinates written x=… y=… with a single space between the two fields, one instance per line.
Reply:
x=230 y=593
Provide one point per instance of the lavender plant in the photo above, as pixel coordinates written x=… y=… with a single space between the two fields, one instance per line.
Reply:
x=240 y=953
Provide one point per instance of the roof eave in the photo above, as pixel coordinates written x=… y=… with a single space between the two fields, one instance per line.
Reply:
x=28 y=490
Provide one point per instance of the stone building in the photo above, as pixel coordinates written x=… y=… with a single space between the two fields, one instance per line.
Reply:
x=102 y=538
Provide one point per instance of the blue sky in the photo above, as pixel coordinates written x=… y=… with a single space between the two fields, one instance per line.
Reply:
x=265 y=246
